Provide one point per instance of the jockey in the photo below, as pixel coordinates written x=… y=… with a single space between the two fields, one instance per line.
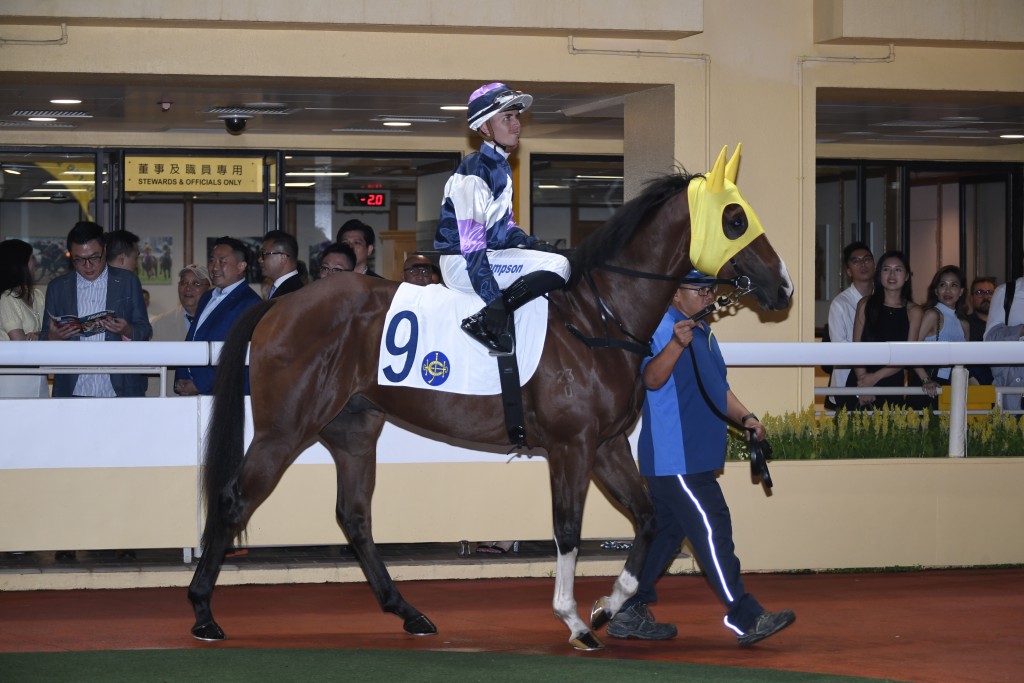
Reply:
x=501 y=263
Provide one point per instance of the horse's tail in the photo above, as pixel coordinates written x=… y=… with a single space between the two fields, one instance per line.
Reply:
x=225 y=435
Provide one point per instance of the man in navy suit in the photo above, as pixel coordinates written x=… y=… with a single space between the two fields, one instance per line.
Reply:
x=279 y=260
x=217 y=311
x=94 y=287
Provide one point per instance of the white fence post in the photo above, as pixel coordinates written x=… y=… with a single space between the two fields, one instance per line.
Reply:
x=958 y=412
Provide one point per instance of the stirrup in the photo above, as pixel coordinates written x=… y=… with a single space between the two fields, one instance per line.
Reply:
x=475 y=327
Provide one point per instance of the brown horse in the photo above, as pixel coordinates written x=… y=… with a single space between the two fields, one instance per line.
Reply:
x=313 y=365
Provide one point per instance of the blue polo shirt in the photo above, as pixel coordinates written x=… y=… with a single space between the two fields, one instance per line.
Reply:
x=680 y=434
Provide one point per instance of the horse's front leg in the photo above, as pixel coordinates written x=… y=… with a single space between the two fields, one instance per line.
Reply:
x=569 y=481
x=352 y=438
x=615 y=470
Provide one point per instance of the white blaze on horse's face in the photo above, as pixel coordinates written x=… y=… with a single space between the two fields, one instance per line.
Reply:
x=711 y=245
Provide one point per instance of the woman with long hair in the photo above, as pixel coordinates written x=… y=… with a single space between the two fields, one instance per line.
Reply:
x=21 y=313
x=944 y=319
x=887 y=314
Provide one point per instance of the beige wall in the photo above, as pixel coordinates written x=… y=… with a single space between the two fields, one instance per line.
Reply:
x=737 y=70
x=822 y=514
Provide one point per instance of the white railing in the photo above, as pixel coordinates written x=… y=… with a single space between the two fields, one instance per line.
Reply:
x=154 y=357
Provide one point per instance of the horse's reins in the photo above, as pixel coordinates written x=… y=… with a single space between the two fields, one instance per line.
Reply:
x=760 y=451
x=637 y=345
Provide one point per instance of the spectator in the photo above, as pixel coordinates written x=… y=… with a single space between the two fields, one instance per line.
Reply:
x=361 y=238
x=888 y=314
x=94 y=287
x=21 y=313
x=418 y=270
x=217 y=311
x=172 y=326
x=337 y=258
x=477 y=229
x=980 y=298
x=944 y=319
x=681 y=449
x=1006 y=323
x=122 y=250
x=280 y=263
x=193 y=282
x=860 y=269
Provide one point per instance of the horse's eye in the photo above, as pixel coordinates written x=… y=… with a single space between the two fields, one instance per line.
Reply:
x=734 y=221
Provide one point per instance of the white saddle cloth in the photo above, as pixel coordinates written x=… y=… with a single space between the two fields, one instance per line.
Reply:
x=423 y=345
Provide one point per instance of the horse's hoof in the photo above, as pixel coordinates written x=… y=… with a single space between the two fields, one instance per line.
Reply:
x=209 y=632
x=587 y=642
x=420 y=626
x=600 y=615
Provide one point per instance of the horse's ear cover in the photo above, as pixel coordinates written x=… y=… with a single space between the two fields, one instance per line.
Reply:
x=710 y=248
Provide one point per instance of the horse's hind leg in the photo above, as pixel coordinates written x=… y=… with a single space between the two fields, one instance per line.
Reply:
x=618 y=476
x=352 y=440
x=265 y=461
x=569 y=479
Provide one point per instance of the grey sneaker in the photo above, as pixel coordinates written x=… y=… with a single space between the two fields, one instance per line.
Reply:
x=768 y=623
x=637 y=621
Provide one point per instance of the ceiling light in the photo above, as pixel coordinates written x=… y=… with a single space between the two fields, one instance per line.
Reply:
x=28 y=113
x=397 y=124
x=599 y=177
x=70 y=182
x=12 y=171
x=41 y=119
x=357 y=130
x=412 y=119
x=65 y=101
x=552 y=187
x=1007 y=136
x=299 y=184
x=455 y=107
x=317 y=174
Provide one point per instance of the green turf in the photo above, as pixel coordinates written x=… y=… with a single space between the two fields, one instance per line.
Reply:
x=247 y=666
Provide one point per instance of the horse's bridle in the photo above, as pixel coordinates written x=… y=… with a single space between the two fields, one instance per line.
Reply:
x=741 y=283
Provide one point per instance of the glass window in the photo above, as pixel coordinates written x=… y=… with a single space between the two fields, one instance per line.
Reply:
x=571 y=196
x=938 y=213
x=398 y=195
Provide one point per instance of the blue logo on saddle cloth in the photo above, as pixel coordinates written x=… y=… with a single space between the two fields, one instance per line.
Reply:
x=422 y=344
x=435 y=368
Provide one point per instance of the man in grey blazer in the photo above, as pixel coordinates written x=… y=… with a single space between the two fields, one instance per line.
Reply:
x=94 y=287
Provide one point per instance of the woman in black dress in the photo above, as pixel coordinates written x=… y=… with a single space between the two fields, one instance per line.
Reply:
x=888 y=314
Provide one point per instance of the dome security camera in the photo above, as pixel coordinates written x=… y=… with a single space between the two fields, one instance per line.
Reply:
x=235 y=124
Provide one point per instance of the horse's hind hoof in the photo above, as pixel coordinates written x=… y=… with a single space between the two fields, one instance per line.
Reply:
x=209 y=632
x=600 y=615
x=587 y=642
x=420 y=626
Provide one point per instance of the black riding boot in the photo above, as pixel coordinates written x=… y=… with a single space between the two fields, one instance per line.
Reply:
x=493 y=325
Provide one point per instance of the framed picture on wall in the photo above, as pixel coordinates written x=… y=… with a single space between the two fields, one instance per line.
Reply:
x=156 y=261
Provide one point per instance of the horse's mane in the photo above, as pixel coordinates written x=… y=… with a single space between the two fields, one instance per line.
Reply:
x=608 y=240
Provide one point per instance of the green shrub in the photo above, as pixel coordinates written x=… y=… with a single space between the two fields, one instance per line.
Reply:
x=886 y=433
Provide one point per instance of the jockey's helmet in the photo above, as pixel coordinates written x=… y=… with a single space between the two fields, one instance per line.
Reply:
x=492 y=99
